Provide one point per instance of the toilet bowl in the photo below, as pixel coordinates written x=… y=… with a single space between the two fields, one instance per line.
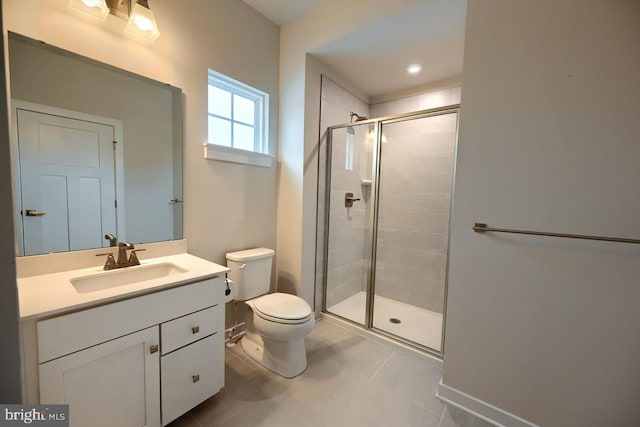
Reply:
x=275 y=324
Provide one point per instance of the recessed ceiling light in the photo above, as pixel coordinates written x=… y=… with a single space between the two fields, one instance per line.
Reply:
x=414 y=68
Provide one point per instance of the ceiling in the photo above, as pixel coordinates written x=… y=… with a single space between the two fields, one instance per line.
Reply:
x=281 y=12
x=375 y=58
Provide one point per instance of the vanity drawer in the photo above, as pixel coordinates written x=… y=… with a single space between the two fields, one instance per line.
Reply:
x=187 y=329
x=191 y=375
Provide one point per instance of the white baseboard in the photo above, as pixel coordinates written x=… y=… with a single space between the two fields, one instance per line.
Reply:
x=480 y=409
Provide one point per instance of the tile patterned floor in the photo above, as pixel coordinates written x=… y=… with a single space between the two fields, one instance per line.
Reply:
x=350 y=381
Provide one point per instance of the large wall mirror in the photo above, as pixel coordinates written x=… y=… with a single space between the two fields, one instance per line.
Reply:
x=97 y=151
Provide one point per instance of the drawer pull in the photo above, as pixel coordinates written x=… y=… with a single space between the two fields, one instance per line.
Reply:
x=195 y=378
x=153 y=349
x=195 y=329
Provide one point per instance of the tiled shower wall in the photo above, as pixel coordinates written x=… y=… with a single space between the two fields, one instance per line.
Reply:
x=349 y=242
x=413 y=224
x=415 y=197
x=347 y=271
x=422 y=101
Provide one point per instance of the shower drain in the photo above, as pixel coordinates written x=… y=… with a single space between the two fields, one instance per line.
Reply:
x=394 y=320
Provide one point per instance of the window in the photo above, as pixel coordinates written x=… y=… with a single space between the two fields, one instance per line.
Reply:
x=238 y=117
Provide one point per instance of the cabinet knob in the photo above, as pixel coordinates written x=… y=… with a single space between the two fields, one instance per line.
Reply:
x=153 y=349
x=195 y=329
x=195 y=378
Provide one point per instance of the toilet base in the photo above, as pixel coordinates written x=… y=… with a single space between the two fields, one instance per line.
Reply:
x=285 y=358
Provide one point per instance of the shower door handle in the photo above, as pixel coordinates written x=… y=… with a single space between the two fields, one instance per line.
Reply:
x=349 y=199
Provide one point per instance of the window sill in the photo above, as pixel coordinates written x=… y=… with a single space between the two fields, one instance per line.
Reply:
x=236 y=155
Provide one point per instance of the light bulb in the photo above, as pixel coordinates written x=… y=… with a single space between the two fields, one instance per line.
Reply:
x=143 y=23
x=94 y=8
x=414 y=68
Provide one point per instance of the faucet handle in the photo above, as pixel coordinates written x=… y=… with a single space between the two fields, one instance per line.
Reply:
x=110 y=264
x=133 y=258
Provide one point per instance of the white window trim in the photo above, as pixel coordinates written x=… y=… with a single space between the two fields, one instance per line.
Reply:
x=260 y=156
x=237 y=155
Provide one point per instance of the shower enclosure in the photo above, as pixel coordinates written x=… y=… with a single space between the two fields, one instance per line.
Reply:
x=385 y=216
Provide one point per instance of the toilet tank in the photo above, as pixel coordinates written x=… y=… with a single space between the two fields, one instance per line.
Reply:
x=251 y=270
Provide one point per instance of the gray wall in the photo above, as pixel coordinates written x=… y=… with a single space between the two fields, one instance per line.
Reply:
x=542 y=327
x=10 y=389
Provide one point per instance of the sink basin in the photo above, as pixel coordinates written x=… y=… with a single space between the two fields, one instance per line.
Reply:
x=125 y=276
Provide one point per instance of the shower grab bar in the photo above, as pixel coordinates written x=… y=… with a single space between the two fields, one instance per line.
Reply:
x=480 y=227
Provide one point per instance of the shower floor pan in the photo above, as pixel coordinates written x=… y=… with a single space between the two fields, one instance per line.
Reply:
x=415 y=324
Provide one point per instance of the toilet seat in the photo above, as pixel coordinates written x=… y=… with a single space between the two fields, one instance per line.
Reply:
x=282 y=308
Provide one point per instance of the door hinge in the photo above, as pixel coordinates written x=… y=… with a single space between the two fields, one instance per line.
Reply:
x=115 y=204
x=114 y=145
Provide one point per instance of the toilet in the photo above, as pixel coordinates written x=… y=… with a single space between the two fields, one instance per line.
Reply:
x=276 y=324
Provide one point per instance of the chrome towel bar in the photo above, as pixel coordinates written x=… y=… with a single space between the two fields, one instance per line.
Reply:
x=480 y=227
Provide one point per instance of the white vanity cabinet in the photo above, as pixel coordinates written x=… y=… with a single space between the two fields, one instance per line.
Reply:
x=190 y=376
x=111 y=384
x=113 y=363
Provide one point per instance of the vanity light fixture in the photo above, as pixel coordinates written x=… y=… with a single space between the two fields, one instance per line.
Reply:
x=414 y=68
x=95 y=8
x=142 y=22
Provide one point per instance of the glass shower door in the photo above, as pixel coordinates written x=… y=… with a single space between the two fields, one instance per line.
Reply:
x=414 y=199
x=348 y=215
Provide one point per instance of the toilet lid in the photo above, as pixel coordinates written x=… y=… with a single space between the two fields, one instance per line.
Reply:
x=282 y=306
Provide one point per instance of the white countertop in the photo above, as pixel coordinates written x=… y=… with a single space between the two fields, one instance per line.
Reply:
x=51 y=294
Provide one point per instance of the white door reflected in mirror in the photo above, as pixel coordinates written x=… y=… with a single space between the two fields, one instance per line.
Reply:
x=67 y=177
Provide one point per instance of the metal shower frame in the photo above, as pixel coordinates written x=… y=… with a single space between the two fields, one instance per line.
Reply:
x=373 y=217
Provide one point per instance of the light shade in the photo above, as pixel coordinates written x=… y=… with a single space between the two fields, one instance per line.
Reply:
x=97 y=9
x=142 y=22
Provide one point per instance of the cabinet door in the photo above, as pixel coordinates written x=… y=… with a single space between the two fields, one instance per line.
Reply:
x=116 y=383
x=191 y=375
